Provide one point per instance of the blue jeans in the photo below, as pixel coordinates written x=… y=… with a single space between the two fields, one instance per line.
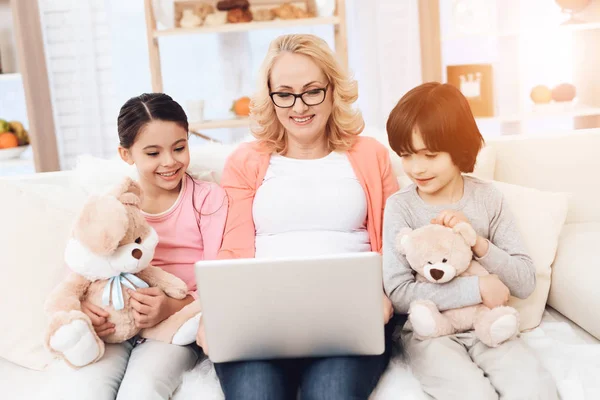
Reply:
x=344 y=378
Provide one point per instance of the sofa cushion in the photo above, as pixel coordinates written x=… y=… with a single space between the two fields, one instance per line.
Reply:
x=575 y=286
x=35 y=225
x=554 y=161
x=540 y=217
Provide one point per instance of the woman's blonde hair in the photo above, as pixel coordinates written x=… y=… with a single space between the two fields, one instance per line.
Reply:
x=345 y=122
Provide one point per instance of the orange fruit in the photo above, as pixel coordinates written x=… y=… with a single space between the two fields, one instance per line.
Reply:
x=541 y=94
x=8 y=140
x=564 y=92
x=241 y=106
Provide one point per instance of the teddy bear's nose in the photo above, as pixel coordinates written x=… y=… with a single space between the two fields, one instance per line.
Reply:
x=137 y=254
x=436 y=274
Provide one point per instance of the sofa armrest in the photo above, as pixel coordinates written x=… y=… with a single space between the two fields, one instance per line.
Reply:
x=576 y=276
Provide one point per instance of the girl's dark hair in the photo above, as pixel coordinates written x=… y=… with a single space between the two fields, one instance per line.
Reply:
x=444 y=119
x=138 y=111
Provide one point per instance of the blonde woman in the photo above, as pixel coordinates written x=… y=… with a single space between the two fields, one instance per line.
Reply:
x=308 y=185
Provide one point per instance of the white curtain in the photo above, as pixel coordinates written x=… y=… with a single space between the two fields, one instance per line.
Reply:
x=384 y=52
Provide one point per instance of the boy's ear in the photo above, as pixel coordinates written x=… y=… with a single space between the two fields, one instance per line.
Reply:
x=125 y=155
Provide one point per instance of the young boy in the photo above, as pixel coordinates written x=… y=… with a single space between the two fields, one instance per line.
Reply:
x=433 y=130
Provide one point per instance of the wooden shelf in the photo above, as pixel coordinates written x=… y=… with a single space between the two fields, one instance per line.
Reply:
x=249 y=26
x=577 y=110
x=524 y=32
x=10 y=77
x=217 y=124
x=337 y=21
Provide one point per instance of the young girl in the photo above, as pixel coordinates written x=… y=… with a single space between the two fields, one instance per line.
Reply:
x=433 y=130
x=189 y=217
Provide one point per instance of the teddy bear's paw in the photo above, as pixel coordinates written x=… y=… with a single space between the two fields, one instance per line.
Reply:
x=422 y=319
x=76 y=342
x=503 y=329
x=187 y=333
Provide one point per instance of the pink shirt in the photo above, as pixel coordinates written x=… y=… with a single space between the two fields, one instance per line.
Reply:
x=191 y=230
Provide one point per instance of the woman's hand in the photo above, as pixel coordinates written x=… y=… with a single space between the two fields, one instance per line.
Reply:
x=388 y=309
x=493 y=292
x=201 y=336
x=150 y=306
x=99 y=319
x=450 y=218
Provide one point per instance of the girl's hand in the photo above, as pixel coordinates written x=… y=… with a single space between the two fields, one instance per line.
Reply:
x=99 y=319
x=201 y=336
x=388 y=309
x=450 y=218
x=493 y=292
x=150 y=306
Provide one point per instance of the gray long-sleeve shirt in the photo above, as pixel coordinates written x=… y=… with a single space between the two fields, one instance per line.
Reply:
x=484 y=205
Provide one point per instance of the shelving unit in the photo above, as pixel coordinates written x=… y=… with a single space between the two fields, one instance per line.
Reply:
x=216 y=124
x=33 y=86
x=249 y=26
x=338 y=21
x=525 y=32
x=10 y=77
x=527 y=44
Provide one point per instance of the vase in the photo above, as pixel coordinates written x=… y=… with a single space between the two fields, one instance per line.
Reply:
x=325 y=8
x=572 y=7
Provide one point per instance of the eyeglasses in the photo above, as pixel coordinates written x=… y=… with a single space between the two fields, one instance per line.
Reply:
x=312 y=97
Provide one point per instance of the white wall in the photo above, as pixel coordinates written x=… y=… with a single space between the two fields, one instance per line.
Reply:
x=12 y=95
x=8 y=54
x=80 y=67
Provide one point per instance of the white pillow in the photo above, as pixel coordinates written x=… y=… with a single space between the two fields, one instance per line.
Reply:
x=36 y=223
x=540 y=217
x=574 y=291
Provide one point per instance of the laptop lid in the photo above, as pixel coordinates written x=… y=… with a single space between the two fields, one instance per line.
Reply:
x=292 y=307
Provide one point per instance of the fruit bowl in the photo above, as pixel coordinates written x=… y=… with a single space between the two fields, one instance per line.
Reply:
x=13 y=152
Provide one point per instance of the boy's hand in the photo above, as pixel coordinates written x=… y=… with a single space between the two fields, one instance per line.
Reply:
x=450 y=218
x=150 y=306
x=493 y=292
x=99 y=318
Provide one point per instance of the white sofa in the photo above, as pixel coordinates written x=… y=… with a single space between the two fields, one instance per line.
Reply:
x=565 y=162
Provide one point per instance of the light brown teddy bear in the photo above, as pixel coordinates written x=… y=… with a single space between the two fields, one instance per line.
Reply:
x=438 y=254
x=110 y=250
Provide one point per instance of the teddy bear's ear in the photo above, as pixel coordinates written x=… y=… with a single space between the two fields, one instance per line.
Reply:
x=403 y=240
x=467 y=232
x=129 y=192
x=101 y=224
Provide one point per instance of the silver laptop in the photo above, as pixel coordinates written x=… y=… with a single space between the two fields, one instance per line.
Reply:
x=292 y=307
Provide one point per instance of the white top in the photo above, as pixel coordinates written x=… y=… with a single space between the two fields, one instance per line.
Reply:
x=310 y=207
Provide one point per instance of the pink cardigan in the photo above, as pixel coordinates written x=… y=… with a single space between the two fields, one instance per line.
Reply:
x=245 y=170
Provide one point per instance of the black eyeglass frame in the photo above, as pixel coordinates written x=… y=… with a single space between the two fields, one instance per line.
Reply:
x=299 y=96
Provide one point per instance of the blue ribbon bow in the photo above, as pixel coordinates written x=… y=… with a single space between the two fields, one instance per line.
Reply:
x=116 y=294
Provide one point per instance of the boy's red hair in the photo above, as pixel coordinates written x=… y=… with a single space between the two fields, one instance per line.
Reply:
x=444 y=119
